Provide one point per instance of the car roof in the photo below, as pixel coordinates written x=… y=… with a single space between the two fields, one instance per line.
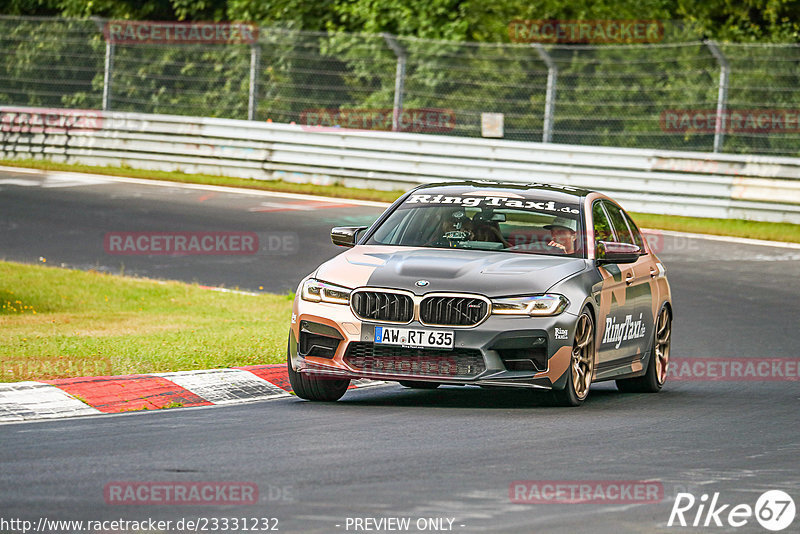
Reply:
x=556 y=192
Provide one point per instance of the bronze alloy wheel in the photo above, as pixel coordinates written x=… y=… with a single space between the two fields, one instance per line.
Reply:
x=663 y=340
x=655 y=374
x=582 y=365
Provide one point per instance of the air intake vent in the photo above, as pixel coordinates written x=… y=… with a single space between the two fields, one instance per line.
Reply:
x=316 y=345
x=524 y=359
x=453 y=311
x=382 y=306
x=369 y=358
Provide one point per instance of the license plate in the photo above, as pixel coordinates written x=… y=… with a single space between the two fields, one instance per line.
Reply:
x=408 y=337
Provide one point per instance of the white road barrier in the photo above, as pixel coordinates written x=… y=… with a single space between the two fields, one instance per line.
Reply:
x=694 y=184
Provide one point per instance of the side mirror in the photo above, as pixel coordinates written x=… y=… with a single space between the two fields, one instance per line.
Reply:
x=346 y=236
x=613 y=252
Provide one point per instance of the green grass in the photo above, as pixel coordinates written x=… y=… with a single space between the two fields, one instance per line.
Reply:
x=59 y=322
x=730 y=227
x=727 y=227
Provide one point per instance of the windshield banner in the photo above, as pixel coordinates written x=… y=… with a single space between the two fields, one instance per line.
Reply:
x=499 y=202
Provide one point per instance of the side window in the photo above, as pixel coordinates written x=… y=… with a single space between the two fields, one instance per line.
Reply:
x=618 y=221
x=602 y=228
x=638 y=240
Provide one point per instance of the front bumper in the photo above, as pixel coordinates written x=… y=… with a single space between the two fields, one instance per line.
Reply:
x=528 y=352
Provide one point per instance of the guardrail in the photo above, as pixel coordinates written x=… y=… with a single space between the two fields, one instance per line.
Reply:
x=653 y=181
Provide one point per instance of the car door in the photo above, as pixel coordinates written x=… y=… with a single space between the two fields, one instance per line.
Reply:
x=646 y=271
x=613 y=294
x=637 y=320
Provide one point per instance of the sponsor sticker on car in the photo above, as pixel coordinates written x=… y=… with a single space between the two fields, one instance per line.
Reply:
x=408 y=337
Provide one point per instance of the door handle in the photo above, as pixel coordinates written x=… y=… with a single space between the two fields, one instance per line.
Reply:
x=653 y=272
x=629 y=278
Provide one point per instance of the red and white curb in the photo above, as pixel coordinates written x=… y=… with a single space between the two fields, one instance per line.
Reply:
x=73 y=397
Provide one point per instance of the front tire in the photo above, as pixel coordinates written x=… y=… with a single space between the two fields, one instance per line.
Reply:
x=653 y=379
x=581 y=368
x=316 y=388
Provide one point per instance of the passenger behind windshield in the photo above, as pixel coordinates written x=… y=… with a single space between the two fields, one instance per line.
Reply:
x=529 y=226
x=564 y=234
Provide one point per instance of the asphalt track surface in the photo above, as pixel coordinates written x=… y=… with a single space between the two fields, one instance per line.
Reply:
x=392 y=452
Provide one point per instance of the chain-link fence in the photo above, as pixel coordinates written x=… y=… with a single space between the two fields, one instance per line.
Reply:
x=738 y=98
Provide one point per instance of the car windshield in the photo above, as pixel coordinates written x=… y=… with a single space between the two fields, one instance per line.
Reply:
x=476 y=220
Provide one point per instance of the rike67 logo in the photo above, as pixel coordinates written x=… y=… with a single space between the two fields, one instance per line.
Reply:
x=774 y=510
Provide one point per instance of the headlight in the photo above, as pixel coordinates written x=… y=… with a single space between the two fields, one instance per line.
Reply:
x=535 y=305
x=316 y=291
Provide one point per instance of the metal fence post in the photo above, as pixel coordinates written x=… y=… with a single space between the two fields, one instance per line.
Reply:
x=722 y=94
x=107 y=70
x=108 y=64
x=550 y=95
x=399 y=79
x=252 y=97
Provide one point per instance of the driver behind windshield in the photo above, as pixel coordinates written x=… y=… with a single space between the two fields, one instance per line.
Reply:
x=485 y=228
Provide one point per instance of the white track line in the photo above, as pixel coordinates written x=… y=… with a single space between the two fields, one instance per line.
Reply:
x=20 y=182
x=22 y=170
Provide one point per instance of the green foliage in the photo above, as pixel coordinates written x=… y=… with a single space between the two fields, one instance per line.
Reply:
x=459 y=20
x=290 y=14
x=202 y=80
x=50 y=63
x=330 y=54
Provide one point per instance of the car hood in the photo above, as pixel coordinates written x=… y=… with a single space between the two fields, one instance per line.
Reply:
x=470 y=271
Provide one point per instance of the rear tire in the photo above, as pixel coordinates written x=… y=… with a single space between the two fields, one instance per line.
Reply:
x=414 y=384
x=316 y=388
x=656 y=374
x=581 y=365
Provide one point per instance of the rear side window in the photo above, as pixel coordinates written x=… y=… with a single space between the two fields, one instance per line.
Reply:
x=638 y=240
x=619 y=223
x=602 y=228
